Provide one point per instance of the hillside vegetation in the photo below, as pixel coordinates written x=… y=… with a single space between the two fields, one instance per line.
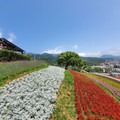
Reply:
x=49 y=58
x=93 y=61
x=8 y=55
x=52 y=58
x=9 y=71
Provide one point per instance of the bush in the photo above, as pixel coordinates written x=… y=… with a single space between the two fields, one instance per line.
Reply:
x=89 y=69
x=9 y=55
x=96 y=69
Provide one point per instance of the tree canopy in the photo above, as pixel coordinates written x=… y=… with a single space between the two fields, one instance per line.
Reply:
x=70 y=59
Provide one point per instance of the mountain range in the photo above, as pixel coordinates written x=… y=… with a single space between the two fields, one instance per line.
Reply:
x=110 y=56
x=51 y=58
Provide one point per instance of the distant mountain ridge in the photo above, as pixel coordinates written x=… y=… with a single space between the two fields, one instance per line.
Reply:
x=110 y=56
x=49 y=58
x=52 y=58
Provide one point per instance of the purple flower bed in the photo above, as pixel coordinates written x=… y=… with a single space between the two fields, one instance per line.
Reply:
x=112 y=89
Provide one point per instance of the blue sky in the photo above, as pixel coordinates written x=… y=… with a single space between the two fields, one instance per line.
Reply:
x=88 y=27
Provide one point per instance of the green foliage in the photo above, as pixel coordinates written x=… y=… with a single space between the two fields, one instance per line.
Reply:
x=13 y=70
x=79 y=68
x=51 y=59
x=29 y=56
x=43 y=61
x=96 y=69
x=93 y=61
x=89 y=69
x=45 y=57
x=108 y=70
x=83 y=64
x=70 y=59
x=65 y=107
x=8 y=55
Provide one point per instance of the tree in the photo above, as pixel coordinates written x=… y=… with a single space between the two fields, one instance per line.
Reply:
x=84 y=64
x=98 y=69
x=69 y=59
x=89 y=69
x=29 y=56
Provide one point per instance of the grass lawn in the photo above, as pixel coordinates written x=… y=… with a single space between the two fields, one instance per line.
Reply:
x=10 y=71
x=65 y=105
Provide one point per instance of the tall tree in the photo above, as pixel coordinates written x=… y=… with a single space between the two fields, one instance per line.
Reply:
x=69 y=59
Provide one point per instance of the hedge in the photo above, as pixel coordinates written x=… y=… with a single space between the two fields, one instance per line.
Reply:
x=9 y=55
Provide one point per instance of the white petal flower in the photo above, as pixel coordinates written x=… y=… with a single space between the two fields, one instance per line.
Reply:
x=33 y=95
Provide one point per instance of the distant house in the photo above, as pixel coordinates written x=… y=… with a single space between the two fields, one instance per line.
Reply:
x=114 y=74
x=5 y=44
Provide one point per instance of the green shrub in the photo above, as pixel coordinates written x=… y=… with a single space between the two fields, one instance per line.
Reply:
x=9 y=55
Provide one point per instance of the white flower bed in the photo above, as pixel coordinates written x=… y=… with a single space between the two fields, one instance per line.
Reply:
x=31 y=97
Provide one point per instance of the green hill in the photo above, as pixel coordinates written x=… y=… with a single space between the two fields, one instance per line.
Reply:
x=51 y=58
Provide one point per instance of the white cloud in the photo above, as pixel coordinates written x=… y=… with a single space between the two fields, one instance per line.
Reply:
x=75 y=46
x=97 y=54
x=11 y=37
x=0 y=35
x=53 y=51
x=114 y=52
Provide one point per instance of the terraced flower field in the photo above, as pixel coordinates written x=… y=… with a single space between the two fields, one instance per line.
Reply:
x=31 y=97
x=109 y=81
x=12 y=70
x=92 y=102
x=111 y=88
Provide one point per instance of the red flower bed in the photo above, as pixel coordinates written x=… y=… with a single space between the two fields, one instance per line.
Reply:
x=92 y=102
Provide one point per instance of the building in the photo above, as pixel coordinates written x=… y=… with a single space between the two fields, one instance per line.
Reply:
x=5 y=44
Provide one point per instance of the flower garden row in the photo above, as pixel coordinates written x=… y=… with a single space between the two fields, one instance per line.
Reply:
x=112 y=89
x=92 y=102
x=12 y=70
x=31 y=97
x=110 y=81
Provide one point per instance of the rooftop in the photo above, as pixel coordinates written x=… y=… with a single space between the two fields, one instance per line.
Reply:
x=9 y=46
